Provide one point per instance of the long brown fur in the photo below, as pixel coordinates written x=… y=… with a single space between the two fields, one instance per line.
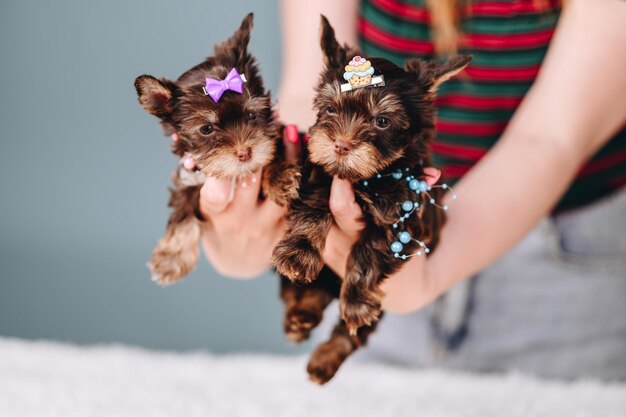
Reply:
x=349 y=121
x=238 y=123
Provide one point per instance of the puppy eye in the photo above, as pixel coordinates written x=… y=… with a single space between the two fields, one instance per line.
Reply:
x=330 y=111
x=206 y=130
x=250 y=116
x=381 y=122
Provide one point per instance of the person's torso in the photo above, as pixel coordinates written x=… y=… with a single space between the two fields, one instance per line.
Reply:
x=508 y=41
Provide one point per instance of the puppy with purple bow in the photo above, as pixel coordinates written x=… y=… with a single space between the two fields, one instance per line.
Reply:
x=221 y=116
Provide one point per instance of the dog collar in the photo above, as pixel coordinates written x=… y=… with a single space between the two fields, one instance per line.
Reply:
x=407 y=208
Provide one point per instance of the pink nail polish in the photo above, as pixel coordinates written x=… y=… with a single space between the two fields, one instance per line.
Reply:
x=175 y=137
x=291 y=132
x=189 y=163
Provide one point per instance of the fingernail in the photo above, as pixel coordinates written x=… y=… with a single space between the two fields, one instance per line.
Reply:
x=306 y=138
x=291 y=132
x=175 y=137
x=189 y=163
x=432 y=175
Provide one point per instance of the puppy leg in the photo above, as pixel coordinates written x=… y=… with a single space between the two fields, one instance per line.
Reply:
x=305 y=304
x=176 y=254
x=328 y=357
x=281 y=181
x=369 y=262
x=299 y=255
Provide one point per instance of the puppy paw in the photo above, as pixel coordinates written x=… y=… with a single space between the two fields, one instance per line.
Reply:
x=299 y=323
x=167 y=270
x=176 y=254
x=327 y=358
x=359 y=308
x=297 y=259
x=285 y=187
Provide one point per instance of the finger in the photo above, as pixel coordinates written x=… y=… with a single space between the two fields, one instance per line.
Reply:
x=432 y=175
x=189 y=163
x=246 y=196
x=214 y=196
x=291 y=141
x=272 y=212
x=343 y=205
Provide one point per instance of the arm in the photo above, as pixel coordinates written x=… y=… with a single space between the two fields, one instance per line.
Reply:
x=576 y=104
x=240 y=230
x=302 y=57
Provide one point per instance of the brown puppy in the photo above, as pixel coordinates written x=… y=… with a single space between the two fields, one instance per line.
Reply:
x=232 y=136
x=378 y=138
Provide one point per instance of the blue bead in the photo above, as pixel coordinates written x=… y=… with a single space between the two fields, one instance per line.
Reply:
x=414 y=184
x=432 y=201
x=405 y=237
x=403 y=256
x=444 y=186
x=397 y=175
x=396 y=255
x=396 y=247
x=378 y=176
x=407 y=205
x=395 y=225
x=423 y=186
x=365 y=183
x=445 y=208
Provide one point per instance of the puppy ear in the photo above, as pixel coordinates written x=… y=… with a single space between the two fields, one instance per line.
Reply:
x=155 y=95
x=235 y=48
x=433 y=75
x=333 y=53
x=451 y=68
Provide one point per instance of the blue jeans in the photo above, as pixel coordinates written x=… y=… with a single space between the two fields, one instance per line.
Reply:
x=554 y=306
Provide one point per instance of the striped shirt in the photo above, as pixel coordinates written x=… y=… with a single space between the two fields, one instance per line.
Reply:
x=508 y=40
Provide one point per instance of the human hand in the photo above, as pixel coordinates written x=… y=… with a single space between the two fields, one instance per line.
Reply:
x=241 y=230
x=409 y=288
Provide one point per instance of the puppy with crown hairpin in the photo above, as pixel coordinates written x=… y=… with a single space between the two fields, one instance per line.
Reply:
x=375 y=125
x=222 y=119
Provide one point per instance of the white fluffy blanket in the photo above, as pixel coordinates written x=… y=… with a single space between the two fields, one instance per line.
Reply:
x=40 y=379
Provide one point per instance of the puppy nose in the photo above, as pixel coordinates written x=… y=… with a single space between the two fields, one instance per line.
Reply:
x=244 y=154
x=342 y=147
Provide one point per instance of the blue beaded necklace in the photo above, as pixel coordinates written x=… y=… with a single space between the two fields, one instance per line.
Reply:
x=408 y=207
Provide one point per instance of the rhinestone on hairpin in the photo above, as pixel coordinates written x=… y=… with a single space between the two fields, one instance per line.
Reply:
x=408 y=207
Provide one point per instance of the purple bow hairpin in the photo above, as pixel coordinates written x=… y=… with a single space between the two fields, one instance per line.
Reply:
x=233 y=82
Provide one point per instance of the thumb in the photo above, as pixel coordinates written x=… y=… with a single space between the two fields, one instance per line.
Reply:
x=343 y=205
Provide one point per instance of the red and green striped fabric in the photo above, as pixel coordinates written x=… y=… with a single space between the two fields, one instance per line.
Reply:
x=508 y=39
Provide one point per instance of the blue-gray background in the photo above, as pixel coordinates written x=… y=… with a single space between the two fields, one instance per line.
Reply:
x=84 y=172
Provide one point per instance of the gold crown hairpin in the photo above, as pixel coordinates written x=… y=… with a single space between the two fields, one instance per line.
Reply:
x=359 y=73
